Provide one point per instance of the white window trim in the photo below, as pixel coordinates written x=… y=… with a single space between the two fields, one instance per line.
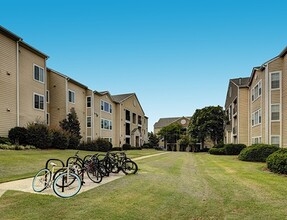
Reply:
x=34 y=73
x=280 y=79
x=72 y=91
x=87 y=121
x=38 y=109
x=110 y=111
x=110 y=122
x=256 y=137
x=259 y=84
x=275 y=136
x=109 y=139
x=259 y=123
x=278 y=120
x=87 y=101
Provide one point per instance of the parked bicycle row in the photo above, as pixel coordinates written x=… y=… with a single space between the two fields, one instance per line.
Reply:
x=66 y=179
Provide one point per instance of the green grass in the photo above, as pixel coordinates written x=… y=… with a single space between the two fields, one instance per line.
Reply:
x=169 y=186
x=25 y=163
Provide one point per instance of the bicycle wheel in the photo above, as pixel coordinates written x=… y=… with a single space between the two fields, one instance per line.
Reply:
x=63 y=187
x=129 y=167
x=41 y=180
x=94 y=175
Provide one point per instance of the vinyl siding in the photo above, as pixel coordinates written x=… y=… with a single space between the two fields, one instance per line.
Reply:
x=284 y=103
x=8 y=63
x=243 y=115
x=29 y=86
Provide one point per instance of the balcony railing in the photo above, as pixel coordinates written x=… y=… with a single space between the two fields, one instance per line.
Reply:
x=234 y=130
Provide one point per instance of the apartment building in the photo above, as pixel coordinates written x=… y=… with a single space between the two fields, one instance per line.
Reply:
x=266 y=104
x=163 y=122
x=31 y=92
x=23 y=83
x=236 y=106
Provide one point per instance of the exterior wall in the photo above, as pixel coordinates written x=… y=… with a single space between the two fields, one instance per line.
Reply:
x=242 y=116
x=284 y=102
x=8 y=86
x=131 y=104
x=29 y=86
x=58 y=103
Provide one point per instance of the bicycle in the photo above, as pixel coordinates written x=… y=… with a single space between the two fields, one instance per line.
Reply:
x=122 y=163
x=64 y=183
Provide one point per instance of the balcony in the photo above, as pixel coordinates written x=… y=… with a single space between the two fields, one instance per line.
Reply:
x=234 y=110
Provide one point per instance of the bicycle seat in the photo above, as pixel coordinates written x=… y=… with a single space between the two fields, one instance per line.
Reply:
x=53 y=164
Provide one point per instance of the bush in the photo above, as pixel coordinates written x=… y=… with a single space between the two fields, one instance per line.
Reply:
x=39 y=136
x=277 y=162
x=5 y=140
x=257 y=153
x=103 y=145
x=60 y=139
x=217 y=151
x=147 y=145
x=220 y=145
x=16 y=147
x=233 y=149
x=116 y=149
x=74 y=141
x=205 y=149
x=126 y=147
x=18 y=135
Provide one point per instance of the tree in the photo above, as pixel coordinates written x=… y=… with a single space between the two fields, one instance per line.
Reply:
x=71 y=124
x=153 y=139
x=207 y=122
x=171 y=133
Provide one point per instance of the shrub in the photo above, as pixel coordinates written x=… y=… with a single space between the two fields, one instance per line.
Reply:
x=116 y=149
x=39 y=136
x=103 y=145
x=233 y=149
x=220 y=145
x=217 y=151
x=126 y=146
x=60 y=139
x=147 y=145
x=18 y=135
x=205 y=149
x=277 y=161
x=74 y=141
x=16 y=147
x=4 y=140
x=257 y=153
x=89 y=146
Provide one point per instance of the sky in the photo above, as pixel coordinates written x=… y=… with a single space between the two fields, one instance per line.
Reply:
x=176 y=55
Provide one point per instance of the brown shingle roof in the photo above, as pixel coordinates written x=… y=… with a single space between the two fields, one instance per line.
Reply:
x=121 y=97
x=162 y=122
x=241 y=82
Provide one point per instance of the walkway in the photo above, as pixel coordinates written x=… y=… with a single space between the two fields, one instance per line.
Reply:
x=25 y=185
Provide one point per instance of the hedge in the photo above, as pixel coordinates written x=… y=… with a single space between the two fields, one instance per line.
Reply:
x=277 y=162
x=257 y=153
x=233 y=149
x=217 y=151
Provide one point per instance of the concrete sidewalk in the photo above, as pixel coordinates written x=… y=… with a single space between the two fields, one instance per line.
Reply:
x=25 y=185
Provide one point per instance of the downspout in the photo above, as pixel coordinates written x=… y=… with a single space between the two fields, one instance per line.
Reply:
x=67 y=96
x=120 y=125
x=17 y=86
x=45 y=92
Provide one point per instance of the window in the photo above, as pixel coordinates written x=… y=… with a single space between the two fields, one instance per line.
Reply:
x=128 y=129
x=257 y=91
x=275 y=140
x=105 y=106
x=256 y=140
x=256 y=117
x=275 y=112
x=48 y=119
x=38 y=73
x=38 y=101
x=275 y=80
x=47 y=96
x=128 y=115
x=106 y=124
x=139 y=120
x=89 y=101
x=89 y=121
x=134 y=118
x=71 y=96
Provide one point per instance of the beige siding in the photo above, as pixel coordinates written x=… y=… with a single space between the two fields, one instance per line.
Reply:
x=284 y=103
x=29 y=86
x=275 y=96
x=243 y=115
x=8 y=63
x=275 y=128
x=275 y=65
x=57 y=91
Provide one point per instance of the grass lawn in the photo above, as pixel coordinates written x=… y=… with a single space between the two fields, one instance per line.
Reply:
x=22 y=164
x=170 y=186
